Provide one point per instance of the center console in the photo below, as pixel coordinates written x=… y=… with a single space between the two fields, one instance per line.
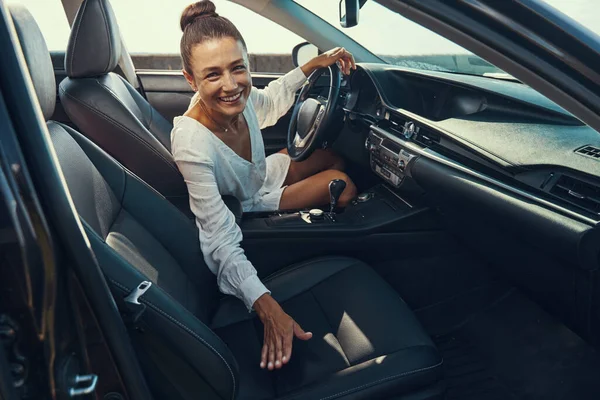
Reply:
x=377 y=222
x=387 y=157
x=379 y=209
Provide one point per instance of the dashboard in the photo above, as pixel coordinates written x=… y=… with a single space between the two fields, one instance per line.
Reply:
x=500 y=131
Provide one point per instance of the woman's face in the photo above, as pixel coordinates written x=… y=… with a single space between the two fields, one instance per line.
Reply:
x=221 y=75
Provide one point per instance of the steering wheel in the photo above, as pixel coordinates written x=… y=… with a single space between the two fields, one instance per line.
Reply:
x=312 y=116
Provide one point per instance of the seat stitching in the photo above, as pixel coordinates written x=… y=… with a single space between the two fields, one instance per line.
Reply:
x=132 y=134
x=304 y=264
x=151 y=118
x=330 y=326
x=118 y=99
x=127 y=130
x=300 y=265
x=197 y=337
x=146 y=123
x=77 y=35
x=185 y=328
x=122 y=169
x=381 y=381
x=106 y=69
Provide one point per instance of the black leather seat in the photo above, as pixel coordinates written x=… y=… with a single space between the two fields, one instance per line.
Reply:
x=195 y=343
x=111 y=112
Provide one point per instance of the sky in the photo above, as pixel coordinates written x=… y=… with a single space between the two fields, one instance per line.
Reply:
x=152 y=26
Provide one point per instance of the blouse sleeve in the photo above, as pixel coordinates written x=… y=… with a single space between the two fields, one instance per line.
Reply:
x=220 y=236
x=272 y=102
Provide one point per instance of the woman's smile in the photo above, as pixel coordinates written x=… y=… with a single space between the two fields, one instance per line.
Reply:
x=231 y=100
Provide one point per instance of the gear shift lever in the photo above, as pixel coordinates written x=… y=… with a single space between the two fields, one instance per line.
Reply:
x=336 y=187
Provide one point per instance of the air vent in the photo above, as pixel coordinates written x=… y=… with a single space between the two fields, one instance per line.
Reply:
x=589 y=151
x=427 y=137
x=397 y=123
x=582 y=194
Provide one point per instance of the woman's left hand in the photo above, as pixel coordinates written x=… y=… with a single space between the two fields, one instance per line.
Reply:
x=340 y=55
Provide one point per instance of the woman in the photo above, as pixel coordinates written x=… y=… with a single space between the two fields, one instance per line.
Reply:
x=218 y=147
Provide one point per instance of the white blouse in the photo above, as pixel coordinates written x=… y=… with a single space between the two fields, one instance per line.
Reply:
x=212 y=169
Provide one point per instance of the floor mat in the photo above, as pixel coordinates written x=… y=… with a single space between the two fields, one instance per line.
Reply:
x=468 y=376
x=515 y=350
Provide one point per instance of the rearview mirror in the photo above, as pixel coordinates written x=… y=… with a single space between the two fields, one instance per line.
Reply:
x=348 y=13
x=303 y=53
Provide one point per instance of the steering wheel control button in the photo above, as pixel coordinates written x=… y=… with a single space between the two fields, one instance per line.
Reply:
x=364 y=197
x=316 y=214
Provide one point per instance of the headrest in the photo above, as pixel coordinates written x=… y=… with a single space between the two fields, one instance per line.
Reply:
x=37 y=58
x=95 y=42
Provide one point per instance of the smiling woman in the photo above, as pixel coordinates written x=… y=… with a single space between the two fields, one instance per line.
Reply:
x=217 y=145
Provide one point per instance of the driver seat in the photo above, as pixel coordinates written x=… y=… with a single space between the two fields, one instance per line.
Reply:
x=109 y=111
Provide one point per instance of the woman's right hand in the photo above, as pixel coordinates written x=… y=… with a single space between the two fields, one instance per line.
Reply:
x=280 y=330
x=343 y=57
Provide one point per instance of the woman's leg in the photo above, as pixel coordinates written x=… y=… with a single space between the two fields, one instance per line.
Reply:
x=314 y=191
x=320 y=160
x=308 y=181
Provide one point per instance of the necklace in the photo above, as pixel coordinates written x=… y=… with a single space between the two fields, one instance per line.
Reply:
x=211 y=118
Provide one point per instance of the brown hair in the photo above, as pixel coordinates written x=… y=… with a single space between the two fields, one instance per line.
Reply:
x=200 y=22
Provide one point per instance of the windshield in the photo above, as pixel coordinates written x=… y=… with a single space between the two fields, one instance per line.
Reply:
x=400 y=41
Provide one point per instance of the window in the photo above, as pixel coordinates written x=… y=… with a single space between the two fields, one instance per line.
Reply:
x=402 y=42
x=151 y=32
x=52 y=20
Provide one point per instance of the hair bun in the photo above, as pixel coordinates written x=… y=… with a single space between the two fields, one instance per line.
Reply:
x=200 y=9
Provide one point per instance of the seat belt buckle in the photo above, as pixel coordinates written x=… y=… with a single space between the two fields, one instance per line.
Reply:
x=135 y=309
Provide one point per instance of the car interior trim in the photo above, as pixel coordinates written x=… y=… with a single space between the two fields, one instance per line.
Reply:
x=432 y=155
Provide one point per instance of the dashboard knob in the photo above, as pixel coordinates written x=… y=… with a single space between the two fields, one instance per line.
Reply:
x=369 y=146
x=410 y=129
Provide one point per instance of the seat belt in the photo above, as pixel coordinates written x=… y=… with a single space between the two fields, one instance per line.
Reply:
x=130 y=306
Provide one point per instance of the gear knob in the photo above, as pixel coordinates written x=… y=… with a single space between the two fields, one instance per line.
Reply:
x=336 y=188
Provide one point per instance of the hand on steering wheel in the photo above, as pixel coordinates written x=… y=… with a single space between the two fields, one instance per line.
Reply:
x=338 y=55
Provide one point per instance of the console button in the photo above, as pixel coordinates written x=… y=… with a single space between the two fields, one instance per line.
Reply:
x=316 y=214
x=363 y=197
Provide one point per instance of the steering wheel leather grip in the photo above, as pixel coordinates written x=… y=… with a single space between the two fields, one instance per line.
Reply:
x=312 y=116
